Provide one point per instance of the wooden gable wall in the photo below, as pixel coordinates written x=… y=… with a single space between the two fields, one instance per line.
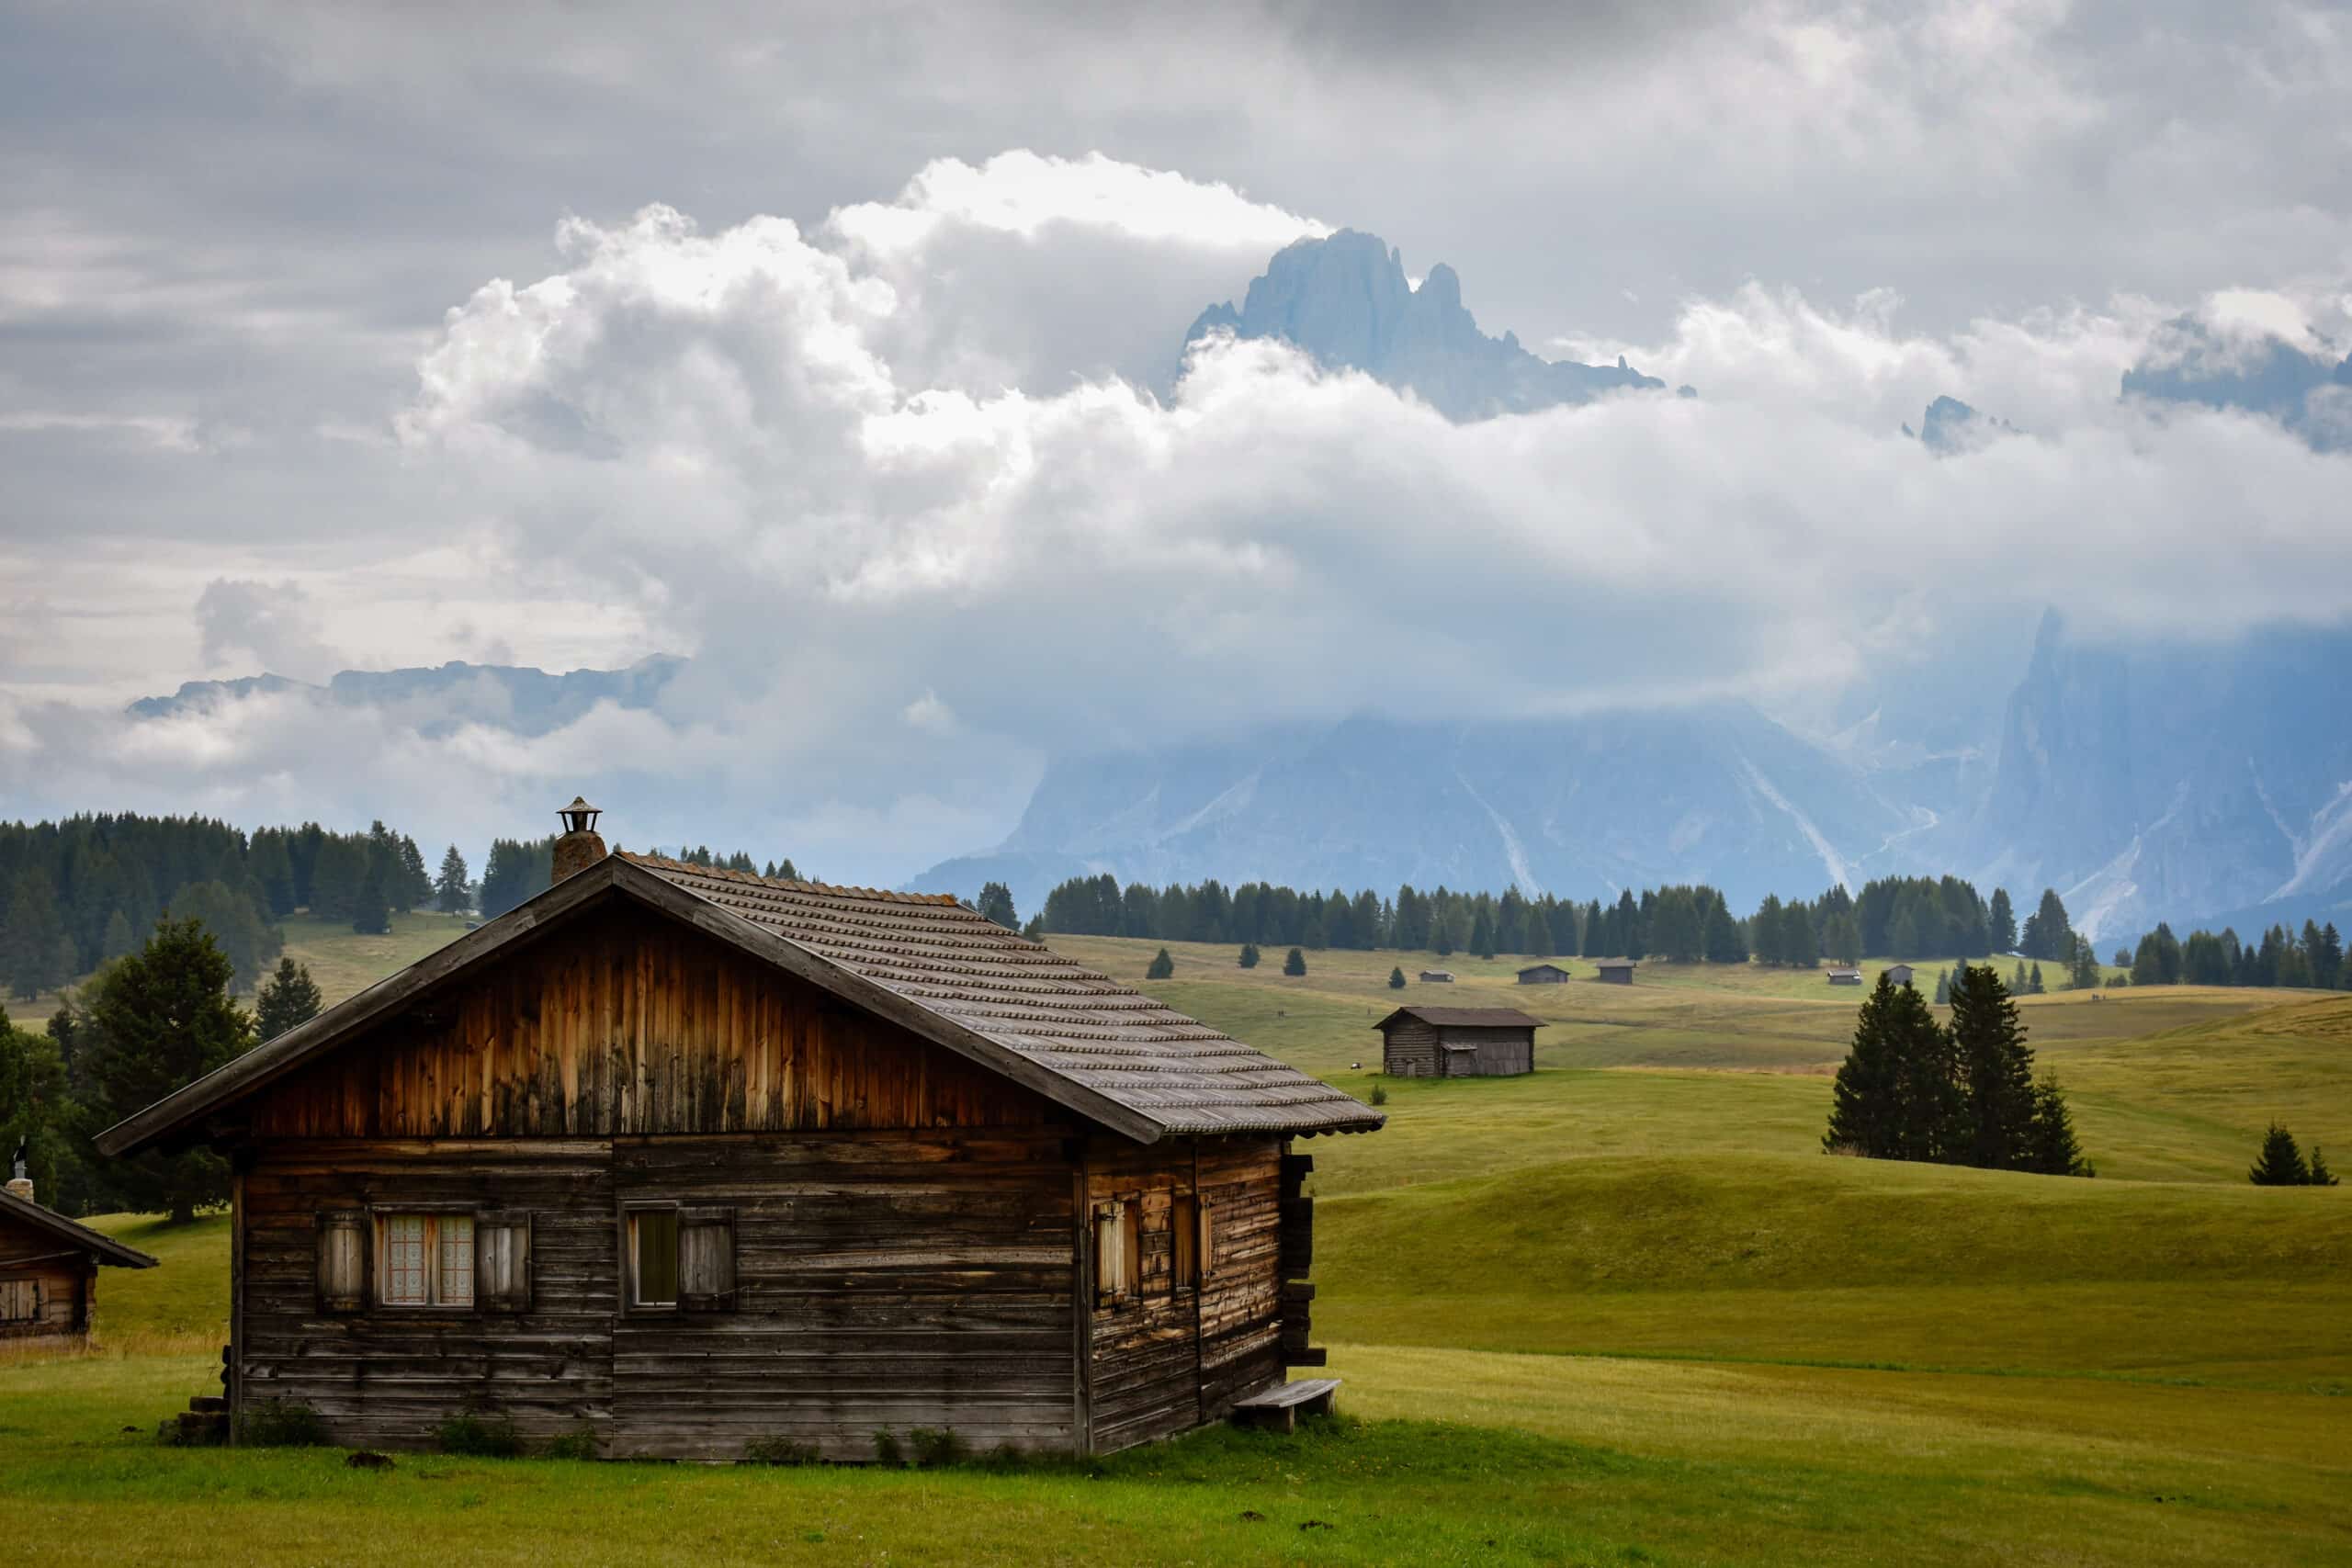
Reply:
x=621 y=1022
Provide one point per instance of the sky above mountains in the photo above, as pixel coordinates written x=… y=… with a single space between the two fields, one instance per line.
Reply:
x=835 y=356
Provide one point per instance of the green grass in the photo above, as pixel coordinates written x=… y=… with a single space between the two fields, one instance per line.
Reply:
x=1618 y=1310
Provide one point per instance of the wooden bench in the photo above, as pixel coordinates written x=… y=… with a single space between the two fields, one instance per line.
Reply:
x=1281 y=1405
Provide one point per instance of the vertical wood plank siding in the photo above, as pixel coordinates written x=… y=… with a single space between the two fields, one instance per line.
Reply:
x=1166 y=1361
x=632 y=1024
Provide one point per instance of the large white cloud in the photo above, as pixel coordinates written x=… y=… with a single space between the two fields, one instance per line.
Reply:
x=920 y=518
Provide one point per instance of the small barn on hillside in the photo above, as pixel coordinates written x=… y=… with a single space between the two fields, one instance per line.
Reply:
x=1437 y=976
x=1542 y=975
x=1845 y=974
x=1457 y=1043
x=49 y=1270
x=685 y=1160
x=1900 y=974
x=1616 y=971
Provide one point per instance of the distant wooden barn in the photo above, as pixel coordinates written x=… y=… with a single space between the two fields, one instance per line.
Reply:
x=1616 y=971
x=1457 y=1043
x=1900 y=974
x=1542 y=975
x=49 y=1270
x=1845 y=974
x=1437 y=976
x=685 y=1159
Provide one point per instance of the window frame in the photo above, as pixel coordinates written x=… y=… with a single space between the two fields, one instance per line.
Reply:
x=1186 y=1227
x=1118 y=1268
x=375 y=1288
x=31 y=1284
x=629 y=1214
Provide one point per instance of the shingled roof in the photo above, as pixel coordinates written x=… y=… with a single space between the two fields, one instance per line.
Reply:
x=74 y=1238
x=925 y=960
x=1466 y=1018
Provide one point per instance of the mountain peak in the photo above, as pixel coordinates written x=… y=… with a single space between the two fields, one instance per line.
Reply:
x=1345 y=300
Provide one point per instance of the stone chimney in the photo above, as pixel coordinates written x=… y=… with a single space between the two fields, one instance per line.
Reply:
x=580 y=847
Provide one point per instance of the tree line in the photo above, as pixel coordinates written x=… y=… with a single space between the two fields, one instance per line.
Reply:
x=77 y=893
x=1899 y=917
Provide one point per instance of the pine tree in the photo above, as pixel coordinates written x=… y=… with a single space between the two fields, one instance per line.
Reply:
x=1595 y=932
x=1296 y=963
x=1161 y=967
x=288 y=998
x=1625 y=926
x=2280 y=1163
x=1722 y=940
x=119 y=937
x=2033 y=981
x=411 y=886
x=1997 y=1066
x=1248 y=959
x=30 y=944
x=996 y=904
x=157 y=1020
x=2317 y=1173
x=1943 y=987
x=449 y=889
x=1482 y=935
x=1396 y=978
x=2051 y=1148
x=371 y=906
x=1442 y=930
x=1894 y=1096
x=2002 y=924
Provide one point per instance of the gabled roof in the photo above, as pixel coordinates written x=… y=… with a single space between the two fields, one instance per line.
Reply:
x=1613 y=963
x=923 y=960
x=1545 y=963
x=1466 y=1018
x=75 y=1237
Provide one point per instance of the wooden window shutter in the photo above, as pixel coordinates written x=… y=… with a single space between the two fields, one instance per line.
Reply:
x=1110 y=1262
x=707 y=1259
x=502 y=1262
x=343 y=1260
x=1207 y=1241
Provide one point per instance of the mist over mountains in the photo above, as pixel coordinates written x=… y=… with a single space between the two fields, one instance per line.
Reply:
x=2145 y=778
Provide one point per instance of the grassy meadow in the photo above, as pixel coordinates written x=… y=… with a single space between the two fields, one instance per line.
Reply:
x=1619 y=1311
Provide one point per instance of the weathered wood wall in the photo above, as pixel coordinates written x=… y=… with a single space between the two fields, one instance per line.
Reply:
x=884 y=1281
x=1496 y=1053
x=629 y=1023
x=1173 y=1358
x=1409 y=1049
x=909 y=1229
x=67 y=1283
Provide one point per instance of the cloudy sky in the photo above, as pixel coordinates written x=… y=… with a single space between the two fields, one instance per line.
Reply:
x=841 y=353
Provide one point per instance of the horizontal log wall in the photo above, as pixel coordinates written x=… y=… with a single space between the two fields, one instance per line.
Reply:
x=68 y=1286
x=1409 y=1049
x=1174 y=1359
x=625 y=1023
x=884 y=1281
x=389 y=1377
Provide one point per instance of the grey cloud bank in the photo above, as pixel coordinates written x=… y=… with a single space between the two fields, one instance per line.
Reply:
x=905 y=475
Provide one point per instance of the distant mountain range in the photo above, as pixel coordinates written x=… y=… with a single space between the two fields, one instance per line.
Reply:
x=2145 y=780
x=1346 y=301
x=440 y=699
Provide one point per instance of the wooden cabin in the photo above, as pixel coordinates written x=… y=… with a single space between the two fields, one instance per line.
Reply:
x=685 y=1160
x=1845 y=974
x=1542 y=975
x=1437 y=976
x=1457 y=1043
x=48 y=1271
x=1900 y=974
x=1615 y=971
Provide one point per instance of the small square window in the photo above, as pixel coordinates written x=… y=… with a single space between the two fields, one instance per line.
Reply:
x=425 y=1259
x=1184 y=1241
